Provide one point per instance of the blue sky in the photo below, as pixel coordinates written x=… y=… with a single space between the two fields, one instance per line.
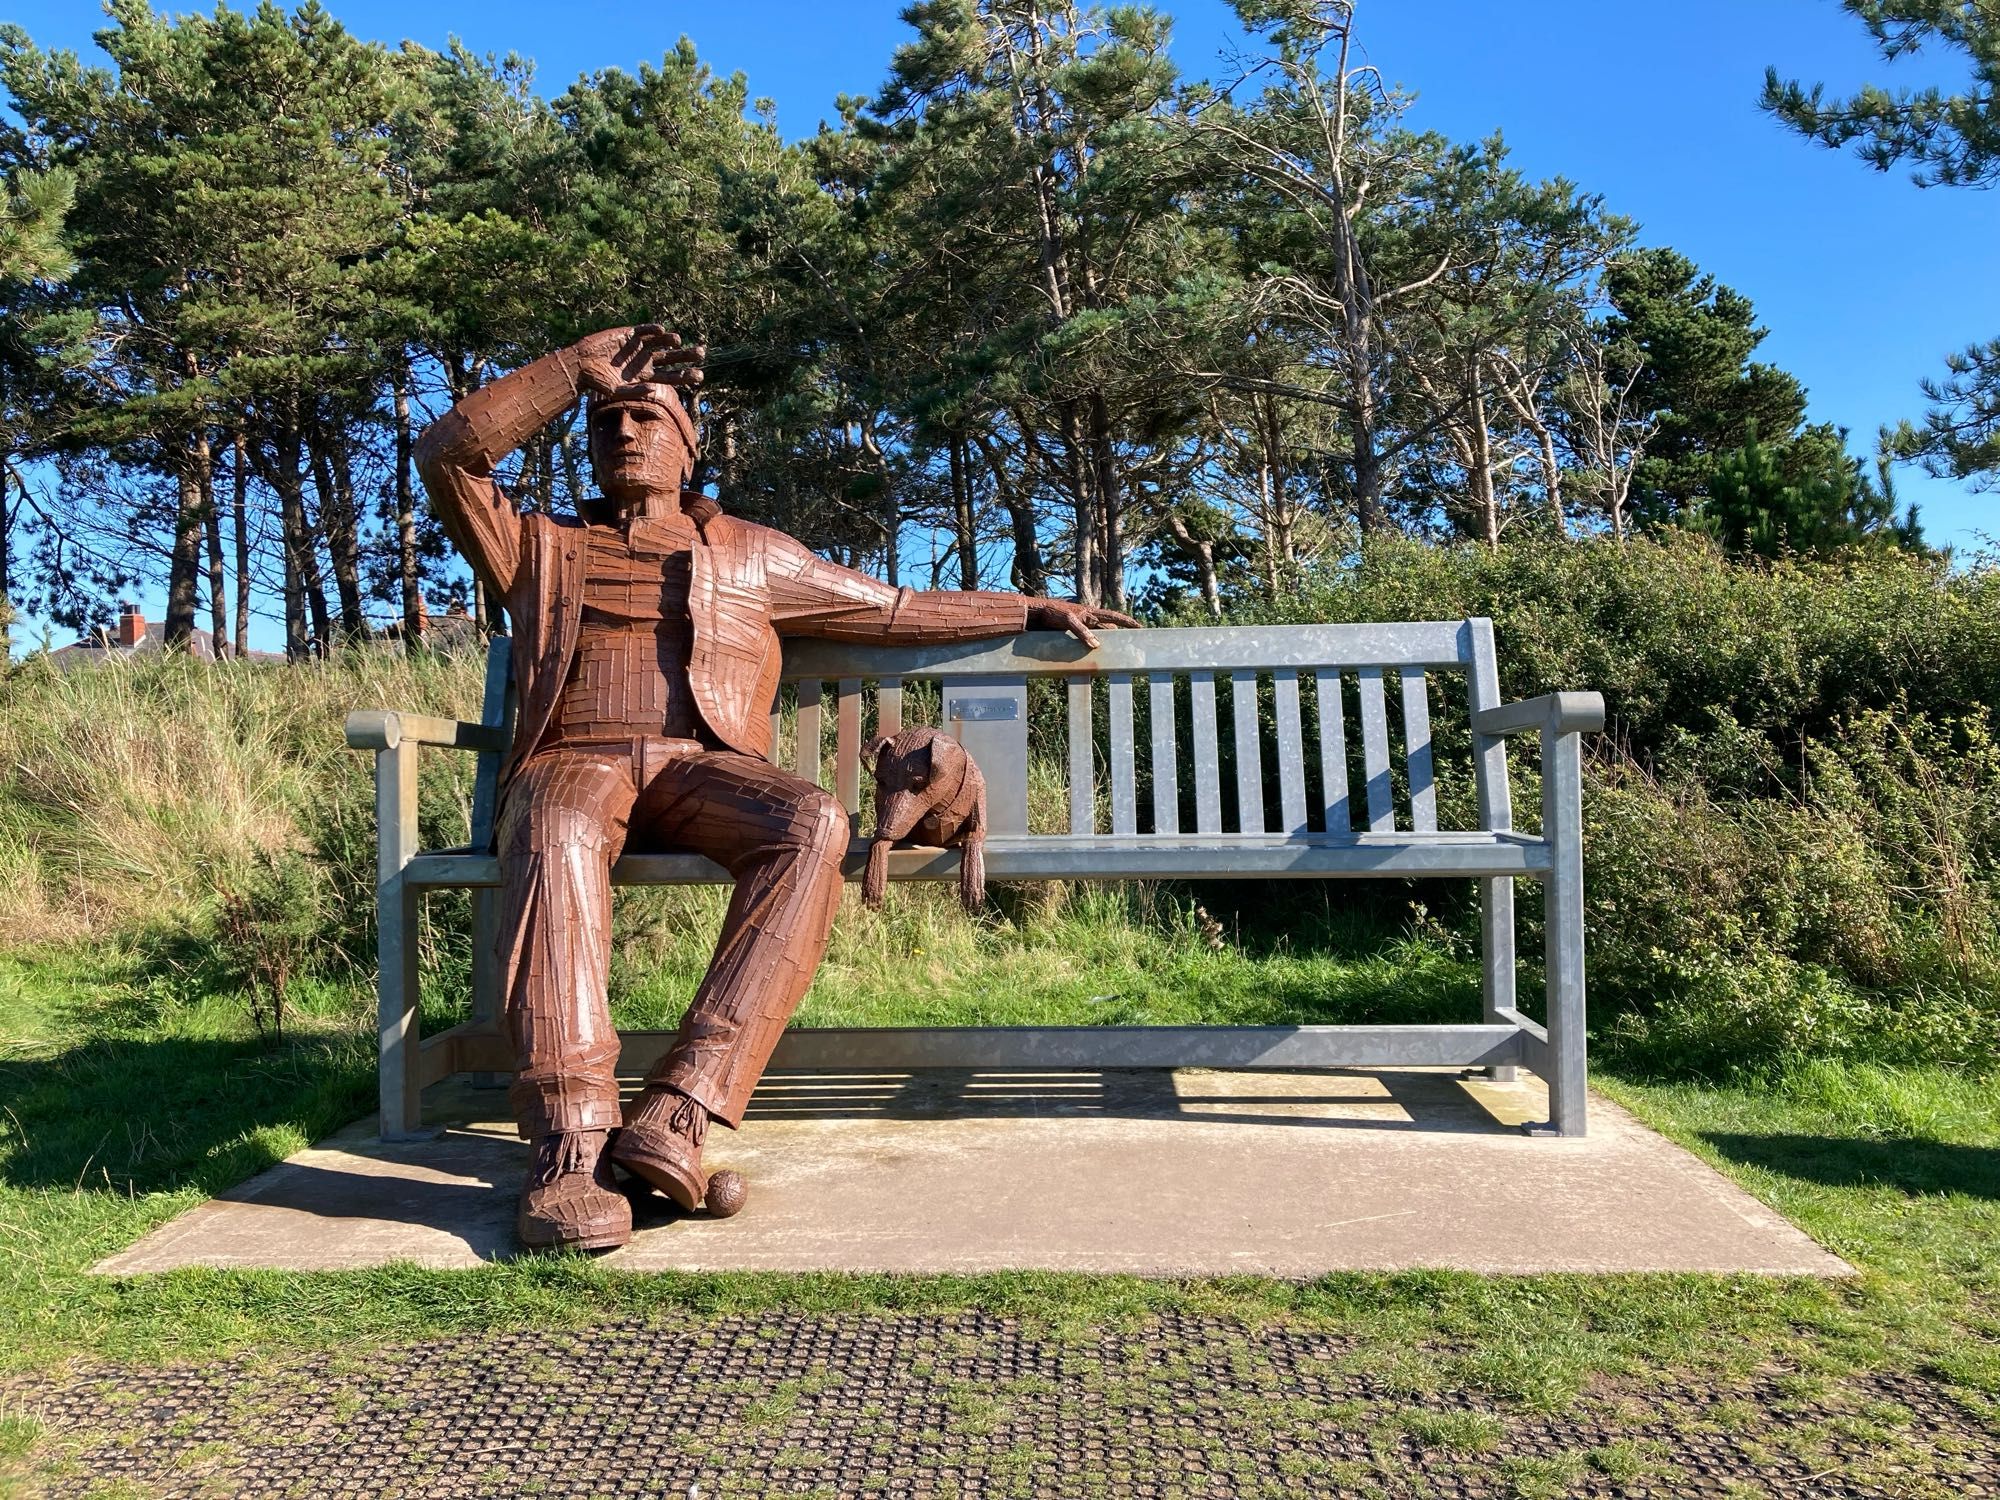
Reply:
x=1864 y=280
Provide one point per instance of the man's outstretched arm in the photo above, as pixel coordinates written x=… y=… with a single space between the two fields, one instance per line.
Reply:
x=459 y=451
x=811 y=596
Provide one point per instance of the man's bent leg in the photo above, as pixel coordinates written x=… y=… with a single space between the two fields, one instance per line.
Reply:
x=782 y=838
x=562 y=829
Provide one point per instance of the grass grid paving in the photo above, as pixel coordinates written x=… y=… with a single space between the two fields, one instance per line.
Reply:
x=963 y=1405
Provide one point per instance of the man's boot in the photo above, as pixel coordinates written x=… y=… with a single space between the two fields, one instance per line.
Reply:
x=570 y=1200
x=661 y=1144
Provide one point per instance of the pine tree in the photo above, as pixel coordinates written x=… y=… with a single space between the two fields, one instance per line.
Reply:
x=1693 y=339
x=1950 y=140
x=1805 y=496
x=230 y=300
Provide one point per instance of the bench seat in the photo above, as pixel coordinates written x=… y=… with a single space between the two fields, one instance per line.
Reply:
x=1187 y=856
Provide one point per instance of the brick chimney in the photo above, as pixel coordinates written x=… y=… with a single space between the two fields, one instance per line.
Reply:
x=131 y=625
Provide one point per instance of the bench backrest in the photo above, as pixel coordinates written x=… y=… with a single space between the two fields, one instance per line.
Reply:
x=1290 y=695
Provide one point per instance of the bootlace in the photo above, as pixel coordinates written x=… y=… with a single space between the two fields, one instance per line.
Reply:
x=689 y=1119
x=563 y=1154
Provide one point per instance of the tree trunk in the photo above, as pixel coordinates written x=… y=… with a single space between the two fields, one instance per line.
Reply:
x=333 y=474
x=307 y=627
x=963 y=519
x=6 y=566
x=1029 y=573
x=545 y=470
x=1369 y=475
x=240 y=506
x=337 y=526
x=1203 y=554
x=315 y=580
x=1281 y=554
x=1110 y=505
x=890 y=517
x=284 y=477
x=406 y=516
x=184 y=569
x=218 y=581
x=1083 y=505
x=1545 y=441
x=1484 y=499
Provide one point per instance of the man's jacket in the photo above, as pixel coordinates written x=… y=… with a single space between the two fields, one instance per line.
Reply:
x=749 y=585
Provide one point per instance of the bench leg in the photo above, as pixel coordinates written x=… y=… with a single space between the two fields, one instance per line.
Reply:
x=1562 y=826
x=1496 y=941
x=400 y=1077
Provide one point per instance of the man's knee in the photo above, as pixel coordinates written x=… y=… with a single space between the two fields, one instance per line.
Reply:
x=819 y=826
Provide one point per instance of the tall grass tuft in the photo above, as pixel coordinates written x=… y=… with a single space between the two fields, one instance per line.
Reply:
x=135 y=794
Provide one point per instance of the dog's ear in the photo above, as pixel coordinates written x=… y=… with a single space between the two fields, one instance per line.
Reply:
x=872 y=751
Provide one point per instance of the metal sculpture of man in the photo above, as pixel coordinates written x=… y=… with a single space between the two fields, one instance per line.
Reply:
x=646 y=657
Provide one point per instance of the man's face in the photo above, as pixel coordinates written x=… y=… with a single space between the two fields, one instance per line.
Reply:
x=636 y=451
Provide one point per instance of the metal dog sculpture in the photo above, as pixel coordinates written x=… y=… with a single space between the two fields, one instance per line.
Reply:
x=927 y=789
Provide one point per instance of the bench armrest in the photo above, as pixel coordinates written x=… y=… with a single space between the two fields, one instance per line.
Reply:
x=385 y=729
x=1555 y=713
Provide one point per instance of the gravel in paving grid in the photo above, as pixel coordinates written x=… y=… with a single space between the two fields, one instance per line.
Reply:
x=959 y=1406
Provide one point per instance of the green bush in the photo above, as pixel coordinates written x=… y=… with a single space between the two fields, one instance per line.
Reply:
x=1723 y=667
x=1791 y=826
x=1792 y=821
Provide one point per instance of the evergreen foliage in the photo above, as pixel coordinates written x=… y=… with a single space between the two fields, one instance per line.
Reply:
x=1039 y=311
x=1950 y=139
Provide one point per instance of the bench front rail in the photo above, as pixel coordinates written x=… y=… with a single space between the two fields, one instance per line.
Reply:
x=1259 y=799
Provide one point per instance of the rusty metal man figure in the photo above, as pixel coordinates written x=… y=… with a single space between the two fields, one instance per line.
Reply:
x=646 y=657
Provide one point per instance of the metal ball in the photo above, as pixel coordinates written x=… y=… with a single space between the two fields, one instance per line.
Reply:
x=727 y=1193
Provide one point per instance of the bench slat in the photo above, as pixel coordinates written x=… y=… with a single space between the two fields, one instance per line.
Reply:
x=1375 y=752
x=1420 y=643
x=808 y=761
x=1166 y=761
x=823 y=1050
x=847 y=746
x=1086 y=1048
x=1333 y=751
x=495 y=710
x=1099 y=857
x=889 y=706
x=1082 y=761
x=1249 y=753
x=1124 y=795
x=1207 y=758
x=1417 y=752
x=1291 y=755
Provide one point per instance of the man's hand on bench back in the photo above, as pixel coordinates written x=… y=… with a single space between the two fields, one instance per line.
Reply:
x=1076 y=619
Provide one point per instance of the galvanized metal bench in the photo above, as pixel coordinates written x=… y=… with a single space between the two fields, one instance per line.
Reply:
x=1319 y=826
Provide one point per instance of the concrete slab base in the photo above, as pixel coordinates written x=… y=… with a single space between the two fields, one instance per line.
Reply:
x=1185 y=1173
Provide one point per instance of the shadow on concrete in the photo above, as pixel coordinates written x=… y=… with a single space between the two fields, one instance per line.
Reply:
x=1916 y=1167
x=1372 y=1099
x=477 y=1212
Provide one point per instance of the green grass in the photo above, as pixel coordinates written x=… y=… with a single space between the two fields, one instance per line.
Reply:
x=131 y=1088
x=127 y=1096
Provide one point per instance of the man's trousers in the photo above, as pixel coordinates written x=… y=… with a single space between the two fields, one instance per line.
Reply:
x=567 y=817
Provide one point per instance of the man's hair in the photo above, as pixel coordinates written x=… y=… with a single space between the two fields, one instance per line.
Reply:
x=667 y=400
